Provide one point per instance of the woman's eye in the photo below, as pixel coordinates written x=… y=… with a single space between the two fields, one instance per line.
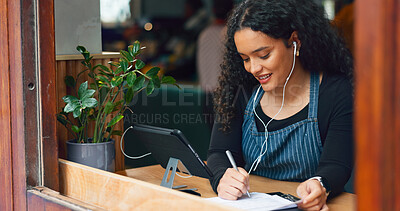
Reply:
x=264 y=57
x=246 y=59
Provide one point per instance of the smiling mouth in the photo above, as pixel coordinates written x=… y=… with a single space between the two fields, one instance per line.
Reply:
x=263 y=77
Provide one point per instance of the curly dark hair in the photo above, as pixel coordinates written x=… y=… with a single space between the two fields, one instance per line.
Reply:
x=322 y=49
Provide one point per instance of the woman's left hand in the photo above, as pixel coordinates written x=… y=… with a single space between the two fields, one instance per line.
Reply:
x=313 y=195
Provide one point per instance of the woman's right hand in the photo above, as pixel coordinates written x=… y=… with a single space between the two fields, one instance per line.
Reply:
x=233 y=184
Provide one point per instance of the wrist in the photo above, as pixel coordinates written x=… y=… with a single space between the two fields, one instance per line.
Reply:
x=324 y=183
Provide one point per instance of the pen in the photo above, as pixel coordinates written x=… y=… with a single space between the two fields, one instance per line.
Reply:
x=230 y=157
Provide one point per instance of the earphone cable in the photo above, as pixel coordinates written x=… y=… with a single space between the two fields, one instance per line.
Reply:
x=176 y=173
x=122 y=150
x=264 y=150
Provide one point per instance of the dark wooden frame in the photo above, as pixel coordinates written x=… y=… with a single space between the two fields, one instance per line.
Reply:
x=27 y=56
x=38 y=69
x=6 y=199
x=47 y=69
x=12 y=167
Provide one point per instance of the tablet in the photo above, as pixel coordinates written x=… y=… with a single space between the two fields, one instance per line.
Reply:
x=164 y=143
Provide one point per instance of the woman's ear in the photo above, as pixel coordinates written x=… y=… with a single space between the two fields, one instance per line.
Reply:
x=295 y=38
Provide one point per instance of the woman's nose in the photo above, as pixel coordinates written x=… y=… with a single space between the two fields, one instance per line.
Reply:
x=255 y=67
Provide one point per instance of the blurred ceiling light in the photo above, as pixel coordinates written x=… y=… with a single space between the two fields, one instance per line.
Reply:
x=148 y=26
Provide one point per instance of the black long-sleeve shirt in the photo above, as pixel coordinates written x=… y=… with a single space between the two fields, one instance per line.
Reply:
x=335 y=121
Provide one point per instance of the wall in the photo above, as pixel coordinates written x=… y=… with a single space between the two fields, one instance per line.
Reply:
x=77 y=23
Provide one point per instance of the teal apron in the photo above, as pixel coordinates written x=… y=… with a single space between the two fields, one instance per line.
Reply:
x=293 y=152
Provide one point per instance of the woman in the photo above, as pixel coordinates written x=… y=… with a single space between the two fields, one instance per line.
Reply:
x=284 y=102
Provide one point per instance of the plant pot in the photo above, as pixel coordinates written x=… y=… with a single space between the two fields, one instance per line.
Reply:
x=96 y=155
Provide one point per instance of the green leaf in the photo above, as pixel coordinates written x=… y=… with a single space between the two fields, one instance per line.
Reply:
x=77 y=112
x=69 y=98
x=139 y=64
x=138 y=83
x=168 y=80
x=87 y=57
x=126 y=55
x=70 y=107
x=91 y=75
x=157 y=82
x=82 y=89
x=87 y=94
x=115 y=120
x=116 y=81
x=76 y=129
x=117 y=104
x=69 y=81
x=115 y=64
x=102 y=84
x=130 y=50
x=130 y=79
x=81 y=49
x=103 y=73
x=103 y=79
x=129 y=95
x=61 y=118
x=108 y=107
x=153 y=72
x=177 y=86
x=103 y=93
x=89 y=103
x=105 y=68
x=92 y=85
x=118 y=70
x=150 y=87
x=124 y=65
x=116 y=133
x=136 y=48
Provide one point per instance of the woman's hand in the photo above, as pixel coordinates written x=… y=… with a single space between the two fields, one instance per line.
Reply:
x=233 y=184
x=313 y=195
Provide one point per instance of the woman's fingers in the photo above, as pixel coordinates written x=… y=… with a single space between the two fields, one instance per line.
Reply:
x=311 y=204
x=225 y=194
x=325 y=208
x=314 y=189
x=229 y=190
x=246 y=175
x=313 y=195
x=233 y=184
x=237 y=179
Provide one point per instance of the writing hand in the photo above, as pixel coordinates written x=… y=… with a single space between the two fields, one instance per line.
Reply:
x=313 y=195
x=233 y=184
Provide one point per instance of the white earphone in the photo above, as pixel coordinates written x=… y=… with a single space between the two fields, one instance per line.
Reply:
x=264 y=150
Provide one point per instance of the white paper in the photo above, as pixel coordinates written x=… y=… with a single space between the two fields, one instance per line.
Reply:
x=257 y=201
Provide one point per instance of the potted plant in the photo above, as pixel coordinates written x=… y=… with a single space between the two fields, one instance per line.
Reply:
x=102 y=102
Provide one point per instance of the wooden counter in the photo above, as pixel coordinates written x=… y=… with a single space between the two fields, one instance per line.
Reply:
x=154 y=174
x=110 y=191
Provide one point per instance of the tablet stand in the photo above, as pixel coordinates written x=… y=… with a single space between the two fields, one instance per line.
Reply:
x=172 y=165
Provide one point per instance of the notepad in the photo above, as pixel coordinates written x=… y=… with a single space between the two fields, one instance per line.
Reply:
x=257 y=201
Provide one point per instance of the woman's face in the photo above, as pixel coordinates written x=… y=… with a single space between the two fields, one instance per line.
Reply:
x=268 y=59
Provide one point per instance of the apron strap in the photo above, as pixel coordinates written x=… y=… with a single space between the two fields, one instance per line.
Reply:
x=314 y=92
